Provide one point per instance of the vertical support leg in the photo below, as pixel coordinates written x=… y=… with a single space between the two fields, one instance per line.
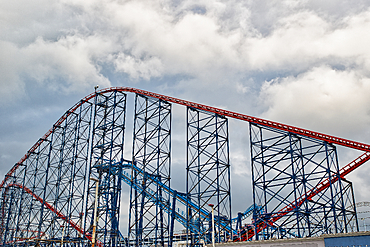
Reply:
x=208 y=173
x=151 y=154
x=106 y=154
x=286 y=169
x=173 y=213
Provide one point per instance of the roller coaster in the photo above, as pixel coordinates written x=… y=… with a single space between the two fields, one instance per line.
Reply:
x=66 y=190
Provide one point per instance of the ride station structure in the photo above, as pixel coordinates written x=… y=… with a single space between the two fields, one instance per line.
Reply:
x=66 y=190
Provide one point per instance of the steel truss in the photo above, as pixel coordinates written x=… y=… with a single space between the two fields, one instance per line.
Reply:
x=288 y=170
x=148 y=224
x=55 y=173
x=208 y=175
x=48 y=198
x=107 y=147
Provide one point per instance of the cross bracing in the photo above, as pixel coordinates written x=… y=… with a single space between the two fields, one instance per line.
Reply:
x=48 y=197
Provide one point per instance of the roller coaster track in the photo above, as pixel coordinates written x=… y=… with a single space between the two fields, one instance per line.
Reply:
x=248 y=212
x=176 y=197
x=275 y=125
x=51 y=208
x=243 y=117
x=325 y=184
x=310 y=194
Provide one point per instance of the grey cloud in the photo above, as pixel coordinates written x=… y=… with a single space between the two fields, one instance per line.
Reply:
x=254 y=57
x=323 y=98
x=146 y=39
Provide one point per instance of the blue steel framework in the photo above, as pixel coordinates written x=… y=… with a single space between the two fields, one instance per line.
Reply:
x=349 y=200
x=48 y=198
x=285 y=168
x=107 y=147
x=55 y=173
x=151 y=153
x=208 y=174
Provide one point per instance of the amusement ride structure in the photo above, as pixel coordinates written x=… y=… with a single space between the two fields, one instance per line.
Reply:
x=66 y=190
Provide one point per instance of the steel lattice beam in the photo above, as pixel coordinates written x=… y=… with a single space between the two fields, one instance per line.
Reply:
x=285 y=169
x=107 y=145
x=53 y=173
x=208 y=173
x=50 y=200
x=243 y=117
x=148 y=223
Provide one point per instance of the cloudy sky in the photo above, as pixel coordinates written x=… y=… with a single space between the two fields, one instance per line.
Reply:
x=304 y=63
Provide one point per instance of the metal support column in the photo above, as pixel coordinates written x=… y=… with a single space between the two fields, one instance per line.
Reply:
x=296 y=181
x=151 y=154
x=208 y=174
x=107 y=149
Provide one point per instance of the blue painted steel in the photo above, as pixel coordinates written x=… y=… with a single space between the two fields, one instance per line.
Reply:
x=151 y=153
x=285 y=168
x=248 y=212
x=345 y=241
x=208 y=174
x=177 y=198
x=57 y=174
x=107 y=144
x=238 y=221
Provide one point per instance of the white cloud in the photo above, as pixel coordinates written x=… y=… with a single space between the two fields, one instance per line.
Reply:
x=209 y=40
x=68 y=64
x=72 y=58
x=305 y=39
x=138 y=68
x=193 y=44
x=10 y=82
x=323 y=99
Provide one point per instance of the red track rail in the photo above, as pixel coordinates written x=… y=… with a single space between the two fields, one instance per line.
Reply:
x=275 y=125
x=243 y=117
x=50 y=207
x=310 y=194
x=324 y=185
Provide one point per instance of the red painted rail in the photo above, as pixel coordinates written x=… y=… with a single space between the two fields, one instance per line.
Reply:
x=309 y=195
x=324 y=185
x=243 y=117
x=51 y=208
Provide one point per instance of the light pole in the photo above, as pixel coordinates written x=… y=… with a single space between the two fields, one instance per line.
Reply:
x=81 y=215
x=363 y=222
x=364 y=219
x=93 y=240
x=62 y=240
x=213 y=224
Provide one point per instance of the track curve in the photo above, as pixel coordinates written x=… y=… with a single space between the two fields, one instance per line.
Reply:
x=50 y=207
x=243 y=117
